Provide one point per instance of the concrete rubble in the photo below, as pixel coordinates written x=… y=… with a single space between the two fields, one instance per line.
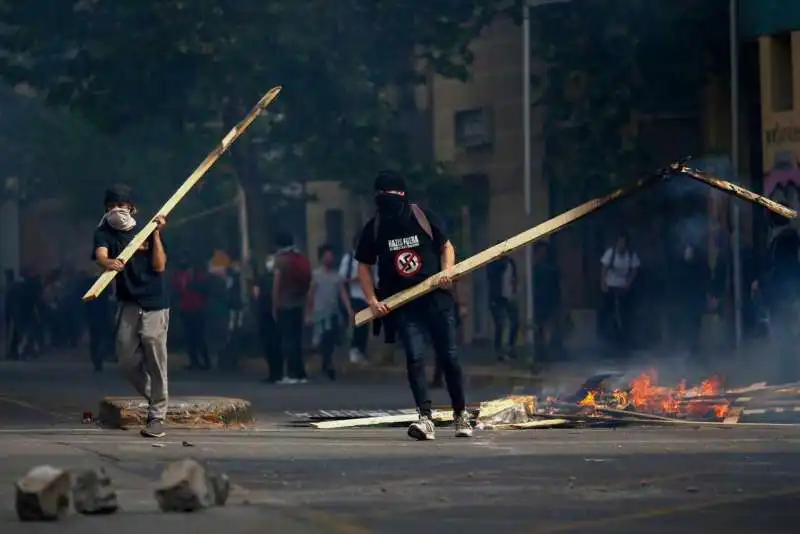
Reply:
x=92 y=492
x=43 y=494
x=189 y=486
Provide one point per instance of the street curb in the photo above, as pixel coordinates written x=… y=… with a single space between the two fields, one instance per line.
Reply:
x=182 y=412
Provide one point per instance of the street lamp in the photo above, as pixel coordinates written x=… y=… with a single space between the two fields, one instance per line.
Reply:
x=526 y=128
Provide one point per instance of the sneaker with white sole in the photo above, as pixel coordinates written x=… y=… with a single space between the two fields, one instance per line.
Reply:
x=356 y=356
x=286 y=381
x=422 y=430
x=463 y=426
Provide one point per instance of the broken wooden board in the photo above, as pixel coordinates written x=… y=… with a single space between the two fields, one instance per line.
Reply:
x=733 y=415
x=442 y=417
x=542 y=423
x=733 y=189
x=496 y=406
x=510 y=245
x=328 y=415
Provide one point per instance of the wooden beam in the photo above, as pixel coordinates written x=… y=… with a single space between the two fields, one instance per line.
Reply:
x=510 y=245
x=733 y=189
x=102 y=282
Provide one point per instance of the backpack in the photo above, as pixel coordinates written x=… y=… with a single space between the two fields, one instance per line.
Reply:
x=298 y=273
x=419 y=215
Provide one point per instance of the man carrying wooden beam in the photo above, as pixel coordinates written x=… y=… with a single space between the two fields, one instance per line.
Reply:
x=409 y=245
x=143 y=294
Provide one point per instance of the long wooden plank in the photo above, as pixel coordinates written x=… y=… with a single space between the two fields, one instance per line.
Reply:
x=733 y=189
x=105 y=279
x=510 y=245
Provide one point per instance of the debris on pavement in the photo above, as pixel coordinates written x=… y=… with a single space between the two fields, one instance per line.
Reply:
x=43 y=494
x=92 y=492
x=606 y=400
x=188 y=486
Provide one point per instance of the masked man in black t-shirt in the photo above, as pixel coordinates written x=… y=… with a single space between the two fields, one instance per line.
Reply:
x=409 y=245
x=143 y=295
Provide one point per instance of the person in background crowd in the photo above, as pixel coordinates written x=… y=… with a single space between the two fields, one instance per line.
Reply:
x=142 y=289
x=291 y=282
x=504 y=306
x=348 y=269
x=779 y=290
x=30 y=312
x=191 y=284
x=546 y=303
x=620 y=266
x=229 y=358
x=267 y=327
x=408 y=245
x=69 y=302
x=100 y=320
x=690 y=297
x=10 y=314
x=327 y=296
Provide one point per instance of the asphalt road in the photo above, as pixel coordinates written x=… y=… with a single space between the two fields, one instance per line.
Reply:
x=303 y=481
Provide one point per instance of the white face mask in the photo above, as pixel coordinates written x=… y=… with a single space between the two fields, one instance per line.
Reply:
x=119 y=219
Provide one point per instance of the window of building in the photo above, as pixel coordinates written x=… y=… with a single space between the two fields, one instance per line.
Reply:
x=473 y=128
x=782 y=83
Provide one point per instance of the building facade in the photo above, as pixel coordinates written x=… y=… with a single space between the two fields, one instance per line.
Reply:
x=775 y=27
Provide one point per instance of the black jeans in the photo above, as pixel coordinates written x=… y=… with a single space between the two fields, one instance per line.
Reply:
x=194 y=328
x=414 y=321
x=615 y=315
x=271 y=343
x=361 y=333
x=290 y=326
x=504 y=312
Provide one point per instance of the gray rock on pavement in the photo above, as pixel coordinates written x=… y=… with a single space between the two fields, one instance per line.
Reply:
x=188 y=486
x=92 y=492
x=221 y=485
x=43 y=494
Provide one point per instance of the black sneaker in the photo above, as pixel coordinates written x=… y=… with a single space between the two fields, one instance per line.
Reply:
x=154 y=429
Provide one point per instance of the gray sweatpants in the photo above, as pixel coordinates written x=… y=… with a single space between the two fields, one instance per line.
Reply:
x=142 y=354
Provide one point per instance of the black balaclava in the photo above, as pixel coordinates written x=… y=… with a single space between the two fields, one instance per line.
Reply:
x=390 y=204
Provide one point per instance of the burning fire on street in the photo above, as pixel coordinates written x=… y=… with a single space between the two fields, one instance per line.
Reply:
x=645 y=395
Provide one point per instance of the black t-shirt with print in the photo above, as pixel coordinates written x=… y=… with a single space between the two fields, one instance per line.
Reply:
x=405 y=254
x=138 y=283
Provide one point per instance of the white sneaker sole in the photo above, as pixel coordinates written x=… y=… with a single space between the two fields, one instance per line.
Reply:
x=464 y=433
x=419 y=434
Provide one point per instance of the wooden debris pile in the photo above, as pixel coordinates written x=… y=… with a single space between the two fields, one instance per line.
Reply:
x=602 y=402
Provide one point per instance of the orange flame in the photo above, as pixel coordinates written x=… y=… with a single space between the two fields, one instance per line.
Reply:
x=589 y=399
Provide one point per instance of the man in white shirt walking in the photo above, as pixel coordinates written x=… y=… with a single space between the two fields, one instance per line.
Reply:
x=619 y=268
x=348 y=270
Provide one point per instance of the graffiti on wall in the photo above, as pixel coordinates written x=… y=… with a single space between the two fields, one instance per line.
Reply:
x=782 y=167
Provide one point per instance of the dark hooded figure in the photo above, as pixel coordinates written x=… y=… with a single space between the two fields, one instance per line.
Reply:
x=409 y=245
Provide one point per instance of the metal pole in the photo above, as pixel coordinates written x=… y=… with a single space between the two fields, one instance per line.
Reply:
x=736 y=218
x=526 y=127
